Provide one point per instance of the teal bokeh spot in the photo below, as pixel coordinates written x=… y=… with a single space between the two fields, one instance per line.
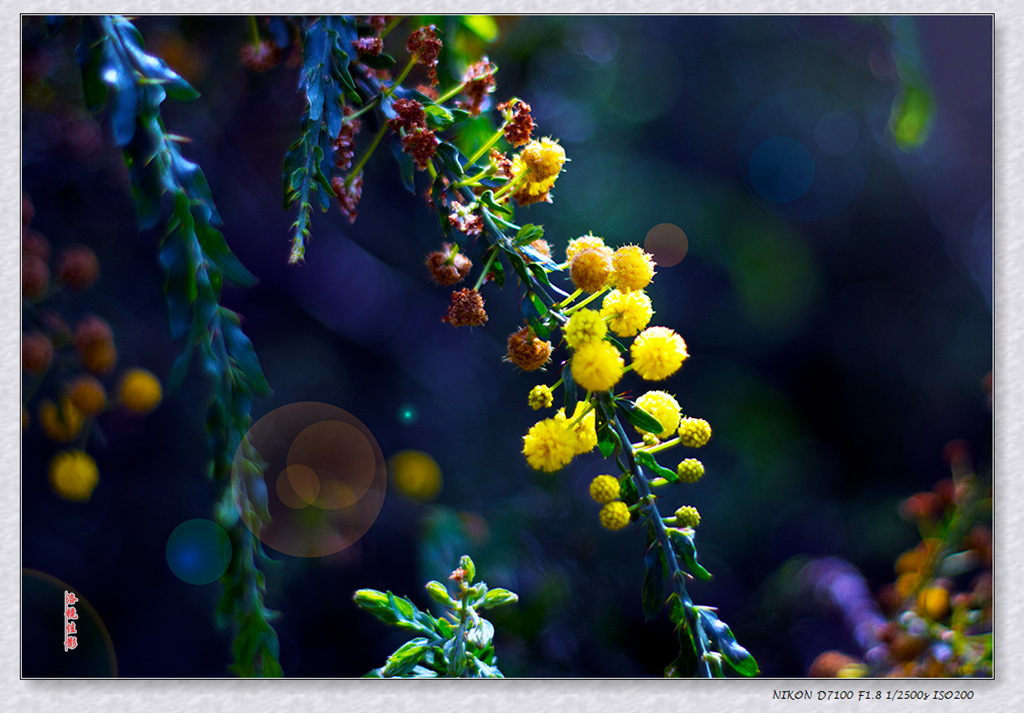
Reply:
x=781 y=169
x=198 y=551
x=408 y=414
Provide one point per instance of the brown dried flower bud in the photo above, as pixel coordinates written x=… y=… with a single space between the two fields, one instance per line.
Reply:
x=409 y=115
x=466 y=309
x=36 y=352
x=478 y=82
x=35 y=277
x=421 y=144
x=519 y=128
x=95 y=343
x=502 y=164
x=78 y=267
x=372 y=46
x=524 y=197
x=449 y=265
x=541 y=246
x=425 y=44
x=590 y=269
x=828 y=664
x=348 y=196
x=527 y=351
x=464 y=220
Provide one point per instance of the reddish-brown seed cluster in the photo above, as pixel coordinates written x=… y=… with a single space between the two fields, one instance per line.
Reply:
x=348 y=196
x=425 y=44
x=448 y=266
x=345 y=143
x=377 y=22
x=409 y=115
x=259 y=58
x=520 y=126
x=464 y=220
x=421 y=145
x=371 y=46
x=36 y=352
x=35 y=277
x=479 y=82
x=466 y=309
x=527 y=351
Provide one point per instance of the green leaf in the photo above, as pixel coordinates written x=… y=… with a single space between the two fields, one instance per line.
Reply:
x=639 y=418
x=682 y=542
x=528 y=233
x=654 y=581
x=481 y=633
x=406 y=167
x=724 y=641
x=569 y=387
x=647 y=459
x=405 y=658
x=439 y=593
x=497 y=597
x=380 y=61
x=438 y=118
x=450 y=156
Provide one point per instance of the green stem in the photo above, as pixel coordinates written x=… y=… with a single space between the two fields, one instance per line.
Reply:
x=391 y=25
x=487 y=146
x=664 y=445
x=475 y=179
x=487 y=267
x=450 y=93
x=401 y=78
x=587 y=301
x=254 y=31
x=366 y=107
x=567 y=300
x=366 y=156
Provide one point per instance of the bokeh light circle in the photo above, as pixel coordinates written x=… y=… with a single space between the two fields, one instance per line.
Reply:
x=408 y=414
x=42 y=614
x=803 y=154
x=668 y=244
x=415 y=474
x=324 y=479
x=781 y=169
x=198 y=551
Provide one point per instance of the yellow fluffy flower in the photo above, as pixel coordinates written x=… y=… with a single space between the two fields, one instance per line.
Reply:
x=615 y=515
x=549 y=445
x=597 y=366
x=694 y=432
x=140 y=391
x=627 y=312
x=664 y=407
x=73 y=475
x=633 y=266
x=61 y=423
x=537 y=166
x=587 y=242
x=657 y=353
x=585 y=431
x=585 y=326
x=590 y=269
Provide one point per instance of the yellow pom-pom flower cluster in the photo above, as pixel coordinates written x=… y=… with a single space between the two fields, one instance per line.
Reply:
x=549 y=445
x=694 y=432
x=604 y=489
x=590 y=269
x=664 y=407
x=690 y=470
x=657 y=353
x=627 y=312
x=614 y=515
x=586 y=242
x=582 y=427
x=540 y=397
x=585 y=326
x=140 y=391
x=633 y=268
x=537 y=166
x=597 y=366
x=73 y=475
x=687 y=516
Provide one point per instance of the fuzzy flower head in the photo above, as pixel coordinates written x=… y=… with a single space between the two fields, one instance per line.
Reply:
x=140 y=391
x=584 y=431
x=664 y=407
x=586 y=242
x=466 y=309
x=615 y=515
x=583 y=327
x=634 y=268
x=527 y=351
x=518 y=122
x=604 y=489
x=597 y=366
x=687 y=516
x=544 y=159
x=657 y=353
x=590 y=269
x=694 y=432
x=425 y=44
x=690 y=470
x=448 y=265
x=549 y=445
x=541 y=397
x=87 y=394
x=627 y=312
x=73 y=475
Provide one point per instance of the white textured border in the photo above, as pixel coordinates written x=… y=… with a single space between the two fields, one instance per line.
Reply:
x=565 y=696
